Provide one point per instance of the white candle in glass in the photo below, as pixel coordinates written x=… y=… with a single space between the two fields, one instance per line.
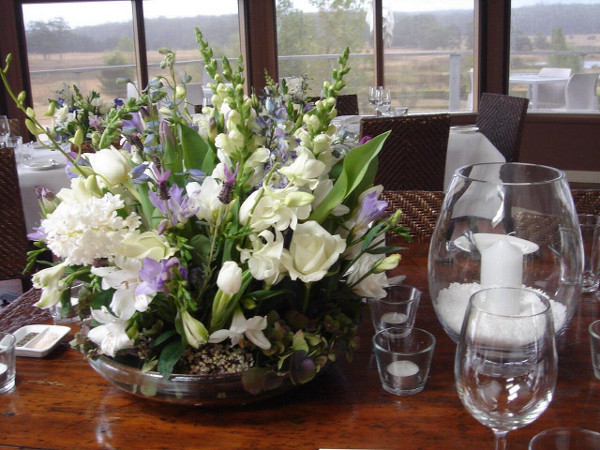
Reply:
x=3 y=372
x=404 y=373
x=393 y=319
x=502 y=266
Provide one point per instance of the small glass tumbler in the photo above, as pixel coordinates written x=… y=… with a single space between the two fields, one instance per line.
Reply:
x=397 y=309
x=566 y=438
x=590 y=235
x=594 y=330
x=8 y=366
x=403 y=359
x=26 y=152
x=62 y=316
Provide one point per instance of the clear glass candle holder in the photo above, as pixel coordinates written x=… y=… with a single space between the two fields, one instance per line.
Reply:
x=505 y=225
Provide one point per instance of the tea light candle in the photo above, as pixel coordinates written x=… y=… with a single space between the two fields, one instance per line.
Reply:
x=3 y=374
x=393 y=319
x=404 y=374
x=502 y=266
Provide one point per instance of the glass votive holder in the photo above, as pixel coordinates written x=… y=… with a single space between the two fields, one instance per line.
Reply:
x=594 y=331
x=8 y=366
x=566 y=438
x=397 y=309
x=403 y=359
x=61 y=316
x=589 y=225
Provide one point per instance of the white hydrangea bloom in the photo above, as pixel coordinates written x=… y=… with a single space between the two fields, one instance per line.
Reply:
x=82 y=231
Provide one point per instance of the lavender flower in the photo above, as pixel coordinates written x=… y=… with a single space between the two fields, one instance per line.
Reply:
x=156 y=275
x=371 y=209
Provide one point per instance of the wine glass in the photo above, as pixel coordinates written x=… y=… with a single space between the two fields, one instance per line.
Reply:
x=505 y=366
x=373 y=90
x=384 y=100
x=4 y=130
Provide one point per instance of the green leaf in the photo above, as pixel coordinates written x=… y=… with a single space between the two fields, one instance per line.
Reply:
x=197 y=153
x=169 y=357
x=163 y=337
x=356 y=166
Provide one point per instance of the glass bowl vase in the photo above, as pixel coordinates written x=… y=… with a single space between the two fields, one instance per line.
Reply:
x=192 y=390
x=508 y=225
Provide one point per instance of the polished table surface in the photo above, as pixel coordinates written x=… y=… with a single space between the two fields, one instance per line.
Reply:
x=60 y=402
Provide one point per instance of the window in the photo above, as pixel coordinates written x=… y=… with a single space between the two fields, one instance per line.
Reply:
x=429 y=53
x=428 y=49
x=555 y=54
x=218 y=23
x=78 y=44
x=91 y=44
x=332 y=27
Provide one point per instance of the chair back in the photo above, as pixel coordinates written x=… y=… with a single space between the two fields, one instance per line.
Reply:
x=581 y=92
x=552 y=72
x=414 y=155
x=501 y=119
x=13 y=235
x=347 y=105
x=420 y=210
x=587 y=201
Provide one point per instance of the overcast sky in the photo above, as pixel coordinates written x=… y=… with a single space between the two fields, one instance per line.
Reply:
x=102 y=12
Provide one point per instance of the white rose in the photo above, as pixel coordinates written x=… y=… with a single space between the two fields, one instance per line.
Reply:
x=146 y=245
x=230 y=278
x=111 y=164
x=312 y=252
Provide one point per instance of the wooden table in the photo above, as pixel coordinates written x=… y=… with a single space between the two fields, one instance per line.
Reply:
x=60 y=402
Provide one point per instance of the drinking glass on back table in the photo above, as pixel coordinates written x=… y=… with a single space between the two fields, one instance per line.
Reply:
x=384 y=100
x=373 y=90
x=4 y=130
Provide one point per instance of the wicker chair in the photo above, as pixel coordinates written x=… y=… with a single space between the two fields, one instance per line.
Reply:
x=347 y=105
x=14 y=127
x=13 y=235
x=414 y=155
x=501 y=119
x=587 y=201
x=420 y=210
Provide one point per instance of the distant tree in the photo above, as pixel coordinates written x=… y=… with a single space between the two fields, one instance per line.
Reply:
x=559 y=43
x=48 y=37
x=541 y=42
x=520 y=42
x=340 y=23
x=108 y=77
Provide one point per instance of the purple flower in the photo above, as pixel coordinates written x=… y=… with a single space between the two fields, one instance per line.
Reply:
x=227 y=189
x=364 y=140
x=94 y=121
x=135 y=123
x=118 y=103
x=177 y=206
x=155 y=275
x=38 y=234
x=370 y=209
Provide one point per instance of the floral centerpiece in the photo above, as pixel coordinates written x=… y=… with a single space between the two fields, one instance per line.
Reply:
x=241 y=239
x=73 y=112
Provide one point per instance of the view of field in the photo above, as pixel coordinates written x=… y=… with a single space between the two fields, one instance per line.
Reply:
x=427 y=60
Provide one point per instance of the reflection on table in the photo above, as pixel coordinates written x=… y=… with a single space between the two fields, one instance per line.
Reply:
x=41 y=171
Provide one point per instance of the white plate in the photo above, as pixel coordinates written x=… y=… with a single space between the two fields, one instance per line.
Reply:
x=485 y=240
x=465 y=129
x=45 y=339
x=44 y=165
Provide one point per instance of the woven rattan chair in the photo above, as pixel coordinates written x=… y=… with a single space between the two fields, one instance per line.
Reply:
x=501 y=119
x=347 y=105
x=414 y=155
x=420 y=210
x=13 y=235
x=14 y=127
x=587 y=201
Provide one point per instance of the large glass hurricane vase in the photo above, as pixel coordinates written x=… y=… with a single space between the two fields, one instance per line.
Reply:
x=505 y=224
x=506 y=365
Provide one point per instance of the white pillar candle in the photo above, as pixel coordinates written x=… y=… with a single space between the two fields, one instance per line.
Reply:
x=502 y=266
x=393 y=319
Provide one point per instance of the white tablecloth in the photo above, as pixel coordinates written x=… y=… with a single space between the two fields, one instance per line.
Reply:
x=465 y=148
x=54 y=179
